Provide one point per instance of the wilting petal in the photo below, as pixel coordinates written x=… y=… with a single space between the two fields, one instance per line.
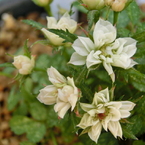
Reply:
x=95 y=132
x=115 y=128
x=83 y=46
x=77 y=59
x=104 y=33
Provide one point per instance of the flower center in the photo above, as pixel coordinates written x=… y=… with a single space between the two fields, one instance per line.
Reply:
x=101 y=116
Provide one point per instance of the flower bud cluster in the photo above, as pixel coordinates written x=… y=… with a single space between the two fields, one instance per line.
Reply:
x=64 y=23
x=63 y=93
x=116 y=5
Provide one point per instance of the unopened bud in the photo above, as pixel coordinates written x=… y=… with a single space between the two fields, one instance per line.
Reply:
x=24 y=64
x=118 y=5
x=93 y=4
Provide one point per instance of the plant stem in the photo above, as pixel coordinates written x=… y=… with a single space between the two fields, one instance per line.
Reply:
x=48 y=10
x=115 y=18
x=53 y=139
x=81 y=76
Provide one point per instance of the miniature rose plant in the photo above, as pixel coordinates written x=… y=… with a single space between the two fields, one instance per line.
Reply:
x=93 y=82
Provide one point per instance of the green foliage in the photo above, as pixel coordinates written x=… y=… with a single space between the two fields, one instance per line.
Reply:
x=34 y=24
x=137 y=79
x=133 y=12
x=66 y=35
x=26 y=49
x=13 y=98
x=107 y=139
x=22 y=124
x=138 y=142
x=38 y=111
x=93 y=17
x=27 y=143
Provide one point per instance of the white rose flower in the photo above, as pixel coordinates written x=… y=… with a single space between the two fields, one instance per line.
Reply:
x=64 y=23
x=103 y=113
x=67 y=98
x=48 y=95
x=24 y=64
x=94 y=4
x=63 y=93
x=104 y=50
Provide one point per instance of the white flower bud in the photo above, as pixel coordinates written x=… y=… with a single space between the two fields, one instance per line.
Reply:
x=24 y=64
x=42 y=3
x=64 y=23
x=116 y=5
x=94 y=4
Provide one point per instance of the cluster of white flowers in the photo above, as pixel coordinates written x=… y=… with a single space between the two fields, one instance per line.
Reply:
x=115 y=5
x=104 y=113
x=105 y=49
x=63 y=93
x=64 y=23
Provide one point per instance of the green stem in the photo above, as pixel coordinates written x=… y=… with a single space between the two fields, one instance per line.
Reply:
x=108 y=11
x=48 y=10
x=115 y=18
x=53 y=139
x=81 y=76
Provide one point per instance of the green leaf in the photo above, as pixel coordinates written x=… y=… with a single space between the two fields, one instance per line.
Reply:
x=140 y=37
x=38 y=111
x=52 y=119
x=26 y=49
x=127 y=133
x=8 y=64
x=27 y=143
x=22 y=109
x=43 y=42
x=13 y=98
x=19 y=124
x=135 y=125
x=93 y=17
x=137 y=79
x=133 y=12
x=107 y=139
x=34 y=24
x=138 y=142
x=35 y=131
x=66 y=35
x=80 y=7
